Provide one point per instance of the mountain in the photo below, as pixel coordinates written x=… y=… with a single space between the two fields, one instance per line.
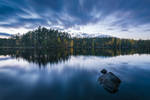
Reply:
x=86 y=35
x=5 y=35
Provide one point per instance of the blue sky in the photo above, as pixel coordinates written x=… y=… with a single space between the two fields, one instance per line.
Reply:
x=121 y=18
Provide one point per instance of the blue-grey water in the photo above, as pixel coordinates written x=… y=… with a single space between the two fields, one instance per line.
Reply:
x=75 y=78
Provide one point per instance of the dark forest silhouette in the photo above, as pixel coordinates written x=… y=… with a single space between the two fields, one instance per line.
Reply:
x=50 y=38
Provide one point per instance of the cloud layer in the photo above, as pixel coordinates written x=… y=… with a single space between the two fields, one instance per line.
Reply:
x=122 y=16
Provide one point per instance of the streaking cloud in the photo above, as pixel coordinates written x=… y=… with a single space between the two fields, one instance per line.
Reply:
x=121 y=18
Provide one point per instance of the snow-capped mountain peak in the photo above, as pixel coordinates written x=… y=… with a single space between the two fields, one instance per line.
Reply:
x=86 y=35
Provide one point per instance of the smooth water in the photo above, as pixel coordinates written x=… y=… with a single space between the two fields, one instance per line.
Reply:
x=72 y=76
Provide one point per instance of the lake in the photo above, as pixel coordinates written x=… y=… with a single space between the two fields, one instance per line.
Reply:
x=73 y=74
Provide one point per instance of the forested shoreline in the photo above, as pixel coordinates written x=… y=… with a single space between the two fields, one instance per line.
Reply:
x=50 y=38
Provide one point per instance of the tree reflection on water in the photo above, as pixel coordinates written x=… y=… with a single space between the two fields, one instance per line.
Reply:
x=55 y=55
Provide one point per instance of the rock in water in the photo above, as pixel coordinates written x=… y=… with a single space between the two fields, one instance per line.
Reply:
x=110 y=82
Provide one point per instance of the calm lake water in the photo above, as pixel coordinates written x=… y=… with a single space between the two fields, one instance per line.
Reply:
x=34 y=75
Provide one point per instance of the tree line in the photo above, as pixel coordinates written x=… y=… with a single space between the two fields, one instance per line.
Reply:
x=50 y=38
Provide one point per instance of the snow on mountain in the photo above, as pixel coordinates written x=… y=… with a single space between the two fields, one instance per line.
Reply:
x=86 y=35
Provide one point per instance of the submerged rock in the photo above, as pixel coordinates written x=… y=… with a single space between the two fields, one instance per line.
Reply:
x=110 y=82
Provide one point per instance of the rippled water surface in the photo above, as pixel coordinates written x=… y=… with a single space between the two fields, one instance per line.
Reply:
x=73 y=76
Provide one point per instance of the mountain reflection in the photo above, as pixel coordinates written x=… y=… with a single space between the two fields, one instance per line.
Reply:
x=56 y=55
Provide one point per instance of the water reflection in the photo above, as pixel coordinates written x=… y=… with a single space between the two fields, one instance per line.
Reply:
x=73 y=74
x=44 y=56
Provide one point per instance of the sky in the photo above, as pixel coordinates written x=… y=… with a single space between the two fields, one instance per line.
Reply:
x=120 y=18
